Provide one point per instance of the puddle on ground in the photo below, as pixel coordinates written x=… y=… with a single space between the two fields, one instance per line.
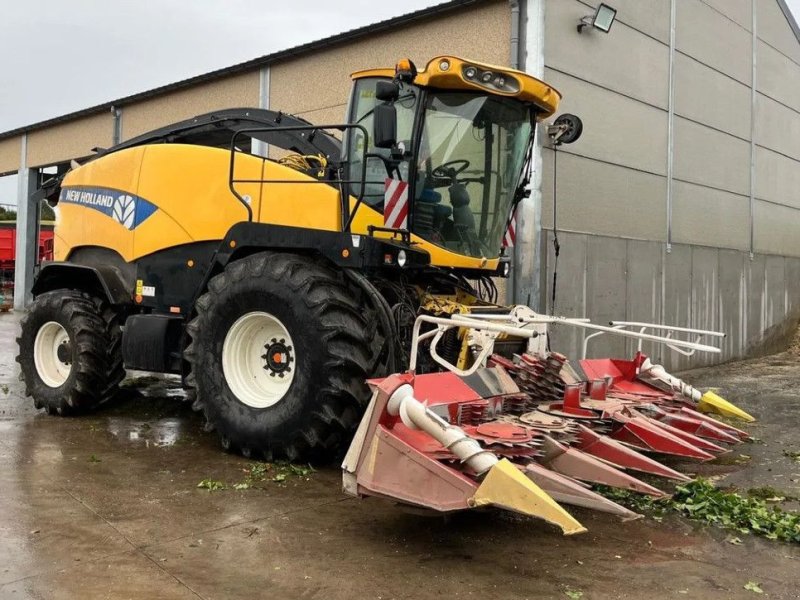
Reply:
x=160 y=433
x=155 y=386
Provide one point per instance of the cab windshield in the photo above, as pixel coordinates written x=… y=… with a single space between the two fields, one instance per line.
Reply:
x=470 y=157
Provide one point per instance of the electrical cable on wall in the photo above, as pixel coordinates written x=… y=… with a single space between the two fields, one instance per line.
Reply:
x=556 y=245
x=566 y=129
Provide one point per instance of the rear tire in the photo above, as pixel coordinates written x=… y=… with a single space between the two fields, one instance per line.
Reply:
x=70 y=353
x=281 y=347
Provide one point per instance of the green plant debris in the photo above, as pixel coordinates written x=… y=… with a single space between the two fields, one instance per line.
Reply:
x=700 y=500
x=752 y=586
x=656 y=507
x=768 y=493
x=212 y=485
x=257 y=473
x=574 y=594
x=4 y=388
x=278 y=472
x=792 y=454
x=93 y=459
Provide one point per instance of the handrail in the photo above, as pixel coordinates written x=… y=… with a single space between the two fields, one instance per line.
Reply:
x=339 y=126
x=670 y=329
x=519 y=321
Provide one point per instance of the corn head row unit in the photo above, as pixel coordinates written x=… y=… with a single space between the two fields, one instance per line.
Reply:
x=277 y=268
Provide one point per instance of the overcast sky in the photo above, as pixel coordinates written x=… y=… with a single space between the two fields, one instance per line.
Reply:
x=57 y=56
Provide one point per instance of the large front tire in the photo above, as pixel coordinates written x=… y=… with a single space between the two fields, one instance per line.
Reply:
x=281 y=347
x=70 y=352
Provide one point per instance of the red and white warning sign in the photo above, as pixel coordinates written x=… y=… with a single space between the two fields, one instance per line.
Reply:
x=511 y=233
x=395 y=204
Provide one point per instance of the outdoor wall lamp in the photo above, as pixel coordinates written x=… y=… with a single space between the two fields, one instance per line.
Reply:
x=602 y=19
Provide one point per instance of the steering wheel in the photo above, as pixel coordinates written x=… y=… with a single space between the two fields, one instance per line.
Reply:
x=451 y=169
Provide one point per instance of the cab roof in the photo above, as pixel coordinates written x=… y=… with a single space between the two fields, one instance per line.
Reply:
x=453 y=73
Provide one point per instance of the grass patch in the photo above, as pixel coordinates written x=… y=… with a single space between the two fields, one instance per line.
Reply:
x=700 y=500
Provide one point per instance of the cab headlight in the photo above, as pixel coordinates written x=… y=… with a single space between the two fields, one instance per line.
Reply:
x=402 y=258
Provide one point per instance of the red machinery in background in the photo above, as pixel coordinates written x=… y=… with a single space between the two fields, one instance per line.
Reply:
x=8 y=241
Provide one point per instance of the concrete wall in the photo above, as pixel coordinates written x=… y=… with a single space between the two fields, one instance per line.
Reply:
x=316 y=86
x=9 y=155
x=615 y=214
x=756 y=302
x=72 y=139
x=231 y=92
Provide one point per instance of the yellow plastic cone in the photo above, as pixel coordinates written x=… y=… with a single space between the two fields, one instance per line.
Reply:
x=711 y=403
x=505 y=486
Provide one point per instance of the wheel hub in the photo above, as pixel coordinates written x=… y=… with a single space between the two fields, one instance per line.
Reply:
x=52 y=354
x=64 y=352
x=258 y=359
x=278 y=357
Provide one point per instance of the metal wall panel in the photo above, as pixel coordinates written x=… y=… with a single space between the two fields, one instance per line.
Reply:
x=739 y=11
x=322 y=79
x=776 y=229
x=778 y=76
x=69 y=140
x=773 y=28
x=707 y=96
x=603 y=199
x=708 y=157
x=777 y=178
x=624 y=61
x=777 y=127
x=709 y=217
x=613 y=125
x=231 y=92
x=9 y=154
x=648 y=16
x=708 y=36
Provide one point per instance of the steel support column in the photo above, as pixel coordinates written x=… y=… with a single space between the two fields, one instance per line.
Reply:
x=261 y=148
x=753 y=109
x=27 y=236
x=528 y=257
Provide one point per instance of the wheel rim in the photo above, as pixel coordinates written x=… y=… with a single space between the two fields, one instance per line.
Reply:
x=52 y=354
x=258 y=359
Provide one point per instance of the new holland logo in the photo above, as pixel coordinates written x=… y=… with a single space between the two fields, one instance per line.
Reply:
x=128 y=210
x=124 y=210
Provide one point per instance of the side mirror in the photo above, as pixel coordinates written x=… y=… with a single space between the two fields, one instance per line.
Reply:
x=384 y=132
x=566 y=129
x=387 y=91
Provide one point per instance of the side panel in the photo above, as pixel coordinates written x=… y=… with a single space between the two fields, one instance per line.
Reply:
x=313 y=205
x=84 y=215
x=189 y=185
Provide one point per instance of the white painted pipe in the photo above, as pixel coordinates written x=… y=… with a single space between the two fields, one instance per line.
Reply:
x=677 y=384
x=416 y=415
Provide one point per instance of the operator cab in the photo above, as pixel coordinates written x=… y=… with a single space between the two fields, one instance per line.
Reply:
x=459 y=134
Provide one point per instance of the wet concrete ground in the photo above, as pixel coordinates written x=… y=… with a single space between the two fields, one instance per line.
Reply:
x=107 y=506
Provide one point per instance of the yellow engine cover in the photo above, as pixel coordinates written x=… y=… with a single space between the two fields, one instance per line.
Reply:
x=148 y=198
